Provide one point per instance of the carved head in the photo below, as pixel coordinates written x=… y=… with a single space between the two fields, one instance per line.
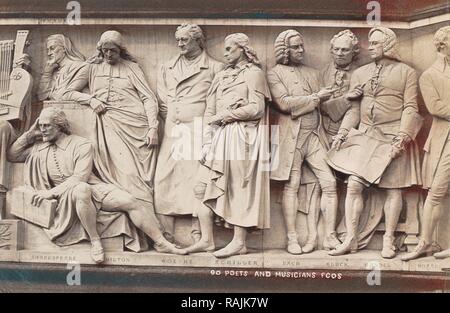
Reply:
x=344 y=48
x=383 y=42
x=190 y=39
x=237 y=48
x=52 y=123
x=442 y=40
x=289 y=47
x=111 y=48
x=60 y=47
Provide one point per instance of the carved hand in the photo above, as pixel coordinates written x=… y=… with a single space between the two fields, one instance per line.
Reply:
x=152 y=138
x=39 y=196
x=395 y=151
x=216 y=120
x=24 y=60
x=399 y=144
x=34 y=133
x=339 y=139
x=325 y=94
x=50 y=67
x=205 y=151
x=98 y=106
x=356 y=93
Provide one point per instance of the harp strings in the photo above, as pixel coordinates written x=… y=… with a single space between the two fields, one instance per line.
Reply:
x=6 y=51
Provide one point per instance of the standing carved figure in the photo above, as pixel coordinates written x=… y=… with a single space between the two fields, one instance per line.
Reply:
x=336 y=75
x=63 y=65
x=126 y=123
x=434 y=85
x=127 y=127
x=234 y=179
x=388 y=121
x=182 y=85
x=296 y=94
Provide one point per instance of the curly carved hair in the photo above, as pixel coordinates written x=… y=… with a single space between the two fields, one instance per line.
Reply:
x=350 y=35
x=242 y=41
x=441 y=36
x=195 y=32
x=390 y=43
x=282 y=44
x=58 y=118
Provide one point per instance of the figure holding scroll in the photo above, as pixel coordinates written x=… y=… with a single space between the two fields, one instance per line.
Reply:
x=388 y=123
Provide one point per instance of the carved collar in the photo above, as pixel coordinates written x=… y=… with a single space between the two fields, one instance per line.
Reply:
x=202 y=60
x=62 y=143
x=385 y=62
x=239 y=66
x=345 y=68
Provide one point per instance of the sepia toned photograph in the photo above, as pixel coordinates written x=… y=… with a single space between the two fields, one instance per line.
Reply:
x=222 y=147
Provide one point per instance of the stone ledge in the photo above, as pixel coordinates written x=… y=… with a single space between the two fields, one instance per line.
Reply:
x=31 y=277
x=271 y=259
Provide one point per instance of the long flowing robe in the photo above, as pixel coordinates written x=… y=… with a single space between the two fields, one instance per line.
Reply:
x=121 y=155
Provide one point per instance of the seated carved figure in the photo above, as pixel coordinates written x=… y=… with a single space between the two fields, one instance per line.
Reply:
x=60 y=167
x=64 y=62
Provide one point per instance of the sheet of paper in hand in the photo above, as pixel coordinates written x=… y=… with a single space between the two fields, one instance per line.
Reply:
x=366 y=156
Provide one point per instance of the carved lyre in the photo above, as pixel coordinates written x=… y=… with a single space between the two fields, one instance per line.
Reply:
x=15 y=82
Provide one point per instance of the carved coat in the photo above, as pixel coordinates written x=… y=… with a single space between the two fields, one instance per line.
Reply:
x=74 y=157
x=389 y=110
x=334 y=109
x=53 y=87
x=435 y=88
x=292 y=89
x=121 y=156
x=182 y=88
x=236 y=171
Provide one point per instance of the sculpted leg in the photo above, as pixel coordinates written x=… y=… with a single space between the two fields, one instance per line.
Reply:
x=312 y=219
x=329 y=200
x=205 y=217
x=168 y=224
x=88 y=217
x=329 y=205
x=236 y=246
x=196 y=235
x=142 y=217
x=432 y=213
x=354 y=204
x=392 y=210
x=289 y=207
